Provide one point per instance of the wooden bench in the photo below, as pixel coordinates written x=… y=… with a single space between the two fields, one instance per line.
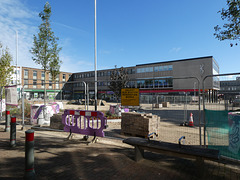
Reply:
x=182 y=151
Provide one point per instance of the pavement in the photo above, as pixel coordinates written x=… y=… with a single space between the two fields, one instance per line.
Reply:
x=56 y=157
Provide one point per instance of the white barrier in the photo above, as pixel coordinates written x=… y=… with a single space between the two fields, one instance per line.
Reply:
x=41 y=115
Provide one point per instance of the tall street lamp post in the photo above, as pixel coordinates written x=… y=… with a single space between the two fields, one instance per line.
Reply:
x=95 y=53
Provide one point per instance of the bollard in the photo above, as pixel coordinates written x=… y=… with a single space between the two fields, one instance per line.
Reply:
x=13 y=132
x=29 y=155
x=7 y=123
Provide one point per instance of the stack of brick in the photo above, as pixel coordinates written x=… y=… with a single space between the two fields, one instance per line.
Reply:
x=138 y=124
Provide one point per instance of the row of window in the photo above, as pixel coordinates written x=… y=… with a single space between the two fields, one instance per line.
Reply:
x=26 y=73
x=155 y=69
x=147 y=83
x=80 y=84
x=34 y=84
x=100 y=74
x=159 y=83
x=215 y=68
x=233 y=88
x=233 y=83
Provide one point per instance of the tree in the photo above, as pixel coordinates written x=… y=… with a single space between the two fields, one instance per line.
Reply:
x=119 y=79
x=55 y=69
x=45 y=49
x=231 y=29
x=5 y=70
x=5 y=67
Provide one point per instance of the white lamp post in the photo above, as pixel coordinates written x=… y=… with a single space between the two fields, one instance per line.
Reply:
x=95 y=53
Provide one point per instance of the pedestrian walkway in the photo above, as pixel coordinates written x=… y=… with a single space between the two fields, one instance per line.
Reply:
x=59 y=158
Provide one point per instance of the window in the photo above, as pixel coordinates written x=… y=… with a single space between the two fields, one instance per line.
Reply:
x=34 y=74
x=50 y=84
x=25 y=83
x=42 y=85
x=25 y=73
x=149 y=69
x=64 y=77
x=42 y=75
x=34 y=83
x=165 y=68
x=50 y=76
x=57 y=85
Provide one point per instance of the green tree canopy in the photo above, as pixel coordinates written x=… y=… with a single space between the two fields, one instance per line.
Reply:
x=6 y=69
x=54 y=68
x=231 y=29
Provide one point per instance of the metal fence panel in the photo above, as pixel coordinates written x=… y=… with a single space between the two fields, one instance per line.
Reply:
x=222 y=116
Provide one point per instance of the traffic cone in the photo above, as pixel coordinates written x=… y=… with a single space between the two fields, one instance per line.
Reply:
x=190 y=123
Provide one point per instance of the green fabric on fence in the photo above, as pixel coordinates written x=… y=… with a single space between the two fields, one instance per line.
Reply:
x=218 y=129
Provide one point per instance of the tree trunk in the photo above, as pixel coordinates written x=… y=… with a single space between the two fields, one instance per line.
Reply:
x=45 y=88
x=54 y=87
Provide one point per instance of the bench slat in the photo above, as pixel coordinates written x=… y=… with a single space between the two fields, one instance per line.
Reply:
x=170 y=148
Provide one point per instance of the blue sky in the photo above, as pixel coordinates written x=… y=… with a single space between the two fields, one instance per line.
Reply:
x=129 y=32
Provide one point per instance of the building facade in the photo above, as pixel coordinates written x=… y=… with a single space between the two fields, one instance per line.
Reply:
x=32 y=79
x=166 y=77
x=230 y=87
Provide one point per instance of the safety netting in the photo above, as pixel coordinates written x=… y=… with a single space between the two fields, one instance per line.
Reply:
x=223 y=132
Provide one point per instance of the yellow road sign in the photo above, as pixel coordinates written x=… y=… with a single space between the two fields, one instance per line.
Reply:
x=130 y=97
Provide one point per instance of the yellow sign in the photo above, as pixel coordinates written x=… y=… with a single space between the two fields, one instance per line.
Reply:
x=130 y=97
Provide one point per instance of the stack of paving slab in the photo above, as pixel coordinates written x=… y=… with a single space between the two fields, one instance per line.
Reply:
x=139 y=124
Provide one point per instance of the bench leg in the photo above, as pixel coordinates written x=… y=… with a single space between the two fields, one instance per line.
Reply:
x=139 y=153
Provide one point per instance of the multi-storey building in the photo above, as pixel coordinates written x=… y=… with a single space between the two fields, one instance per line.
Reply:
x=160 y=77
x=32 y=79
x=230 y=87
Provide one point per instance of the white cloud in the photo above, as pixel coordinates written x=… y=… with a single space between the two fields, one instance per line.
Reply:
x=15 y=17
x=15 y=9
x=175 y=50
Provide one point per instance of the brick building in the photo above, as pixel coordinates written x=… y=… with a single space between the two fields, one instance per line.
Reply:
x=32 y=79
